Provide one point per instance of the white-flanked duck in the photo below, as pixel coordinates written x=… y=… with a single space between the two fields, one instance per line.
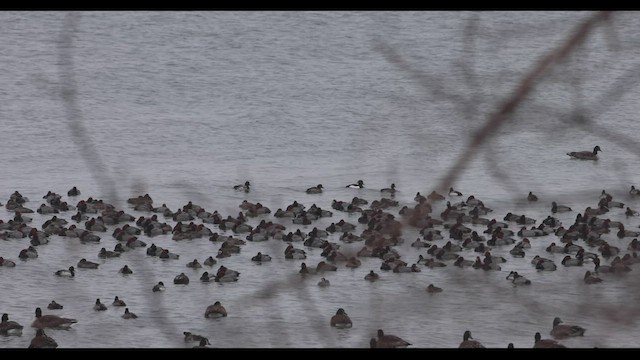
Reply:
x=341 y=320
x=358 y=185
x=9 y=327
x=518 y=279
x=216 y=310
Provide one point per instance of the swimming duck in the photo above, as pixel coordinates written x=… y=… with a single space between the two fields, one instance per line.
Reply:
x=129 y=315
x=532 y=197
x=71 y=272
x=190 y=337
x=541 y=343
x=53 y=305
x=243 y=187
x=518 y=279
x=51 y=321
x=181 y=279
x=215 y=310
x=125 y=270
x=7 y=262
x=260 y=257
x=358 y=185
x=432 y=289
x=585 y=155
x=371 y=276
x=470 y=343
x=83 y=263
x=99 y=306
x=73 y=192
x=561 y=331
x=118 y=302
x=589 y=278
x=9 y=327
x=389 y=190
x=315 y=190
x=555 y=208
x=42 y=341
x=341 y=320
x=453 y=192
x=389 y=341
x=194 y=264
x=158 y=287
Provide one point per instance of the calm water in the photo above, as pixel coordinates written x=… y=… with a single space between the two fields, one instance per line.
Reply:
x=184 y=105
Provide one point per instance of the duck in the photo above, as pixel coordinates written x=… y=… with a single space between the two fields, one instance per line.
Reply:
x=129 y=315
x=28 y=253
x=7 y=262
x=260 y=257
x=84 y=264
x=569 y=261
x=202 y=344
x=545 y=264
x=104 y=253
x=541 y=343
x=389 y=190
x=323 y=282
x=372 y=276
x=215 y=310
x=358 y=185
x=532 y=197
x=435 y=196
x=210 y=261
x=194 y=264
x=555 y=208
x=181 y=279
x=323 y=266
x=589 y=278
x=432 y=289
x=42 y=341
x=469 y=342
x=225 y=274
x=562 y=331
x=341 y=320
x=73 y=192
x=390 y=341
x=453 y=192
x=190 y=337
x=99 y=306
x=243 y=187
x=53 y=305
x=71 y=272
x=585 y=155
x=518 y=279
x=634 y=191
x=9 y=327
x=125 y=270
x=158 y=287
x=118 y=302
x=315 y=189
x=51 y=321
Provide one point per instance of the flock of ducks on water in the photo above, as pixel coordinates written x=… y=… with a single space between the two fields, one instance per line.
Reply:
x=382 y=234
